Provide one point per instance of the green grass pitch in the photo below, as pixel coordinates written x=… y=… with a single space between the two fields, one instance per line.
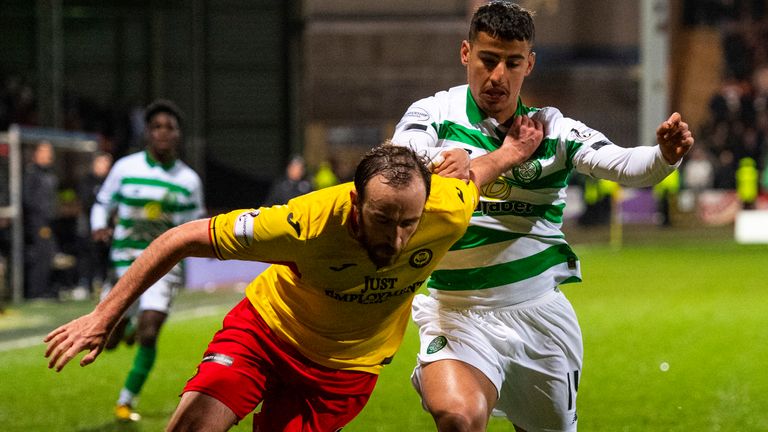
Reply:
x=676 y=339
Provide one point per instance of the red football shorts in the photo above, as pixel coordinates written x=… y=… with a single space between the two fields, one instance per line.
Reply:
x=247 y=364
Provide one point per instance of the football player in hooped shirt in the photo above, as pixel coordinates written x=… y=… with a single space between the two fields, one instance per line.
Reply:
x=498 y=337
x=317 y=326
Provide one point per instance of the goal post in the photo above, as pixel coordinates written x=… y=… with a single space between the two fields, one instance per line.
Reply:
x=12 y=144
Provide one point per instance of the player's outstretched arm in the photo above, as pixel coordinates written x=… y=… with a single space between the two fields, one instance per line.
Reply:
x=522 y=139
x=674 y=138
x=90 y=332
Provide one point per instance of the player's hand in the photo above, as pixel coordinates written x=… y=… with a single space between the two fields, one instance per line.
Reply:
x=102 y=235
x=454 y=163
x=523 y=138
x=85 y=333
x=674 y=138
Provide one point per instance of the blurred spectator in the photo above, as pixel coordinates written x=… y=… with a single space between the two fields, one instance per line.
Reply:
x=17 y=103
x=93 y=257
x=597 y=201
x=665 y=192
x=764 y=180
x=293 y=184
x=738 y=119
x=747 y=182
x=698 y=170
x=39 y=206
x=725 y=171
x=732 y=103
x=325 y=176
x=760 y=86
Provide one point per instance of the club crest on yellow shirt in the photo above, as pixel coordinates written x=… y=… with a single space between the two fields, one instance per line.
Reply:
x=420 y=258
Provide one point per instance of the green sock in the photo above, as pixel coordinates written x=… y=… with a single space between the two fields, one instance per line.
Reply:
x=142 y=364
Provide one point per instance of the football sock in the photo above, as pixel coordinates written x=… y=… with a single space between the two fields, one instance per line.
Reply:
x=126 y=397
x=142 y=364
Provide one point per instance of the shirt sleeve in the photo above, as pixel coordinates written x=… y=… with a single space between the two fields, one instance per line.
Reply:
x=106 y=198
x=267 y=234
x=454 y=194
x=594 y=155
x=417 y=129
x=634 y=167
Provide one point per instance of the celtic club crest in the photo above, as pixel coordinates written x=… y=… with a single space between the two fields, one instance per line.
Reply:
x=528 y=171
x=437 y=344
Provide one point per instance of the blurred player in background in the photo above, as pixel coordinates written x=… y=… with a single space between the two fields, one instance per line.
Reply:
x=318 y=325
x=497 y=335
x=147 y=193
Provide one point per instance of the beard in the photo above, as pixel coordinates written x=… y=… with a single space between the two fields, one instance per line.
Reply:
x=380 y=254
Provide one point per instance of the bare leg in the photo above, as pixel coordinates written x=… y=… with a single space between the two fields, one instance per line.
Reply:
x=117 y=334
x=198 y=412
x=459 y=396
x=150 y=322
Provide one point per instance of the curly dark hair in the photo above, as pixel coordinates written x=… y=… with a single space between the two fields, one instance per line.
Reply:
x=162 y=106
x=397 y=164
x=503 y=20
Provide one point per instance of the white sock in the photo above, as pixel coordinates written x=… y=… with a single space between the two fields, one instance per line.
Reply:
x=126 y=397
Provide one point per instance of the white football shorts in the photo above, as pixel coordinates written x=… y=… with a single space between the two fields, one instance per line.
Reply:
x=158 y=297
x=532 y=352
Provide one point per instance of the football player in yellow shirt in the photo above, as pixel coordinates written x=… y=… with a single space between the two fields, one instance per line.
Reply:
x=315 y=327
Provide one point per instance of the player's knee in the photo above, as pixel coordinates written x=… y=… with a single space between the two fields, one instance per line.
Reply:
x=196 y=422
x=188 y=424
x=147 y=339
x=149 y=328
x=200 y=412
x=460 y=420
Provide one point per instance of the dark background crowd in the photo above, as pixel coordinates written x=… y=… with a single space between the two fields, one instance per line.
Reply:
x=735 y=132
x=731 y=143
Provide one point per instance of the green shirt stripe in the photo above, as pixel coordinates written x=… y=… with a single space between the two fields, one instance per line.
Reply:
x=154 y=182
x=130 y=223
x=504 y=273
x=130 y=243
x=165 y=206
x=570 y=149
x=456 y=132
x=122 y=263
x=479 y=236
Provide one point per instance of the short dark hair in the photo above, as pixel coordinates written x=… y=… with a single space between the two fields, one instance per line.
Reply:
x=397 y=164
x=503 y=20
x=162 y=106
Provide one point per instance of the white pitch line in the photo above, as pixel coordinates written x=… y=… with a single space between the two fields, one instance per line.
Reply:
x=184 y=315
x=21 y=343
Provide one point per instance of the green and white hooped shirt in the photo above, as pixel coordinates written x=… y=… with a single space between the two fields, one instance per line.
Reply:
x=148 y=198
x=514 y=249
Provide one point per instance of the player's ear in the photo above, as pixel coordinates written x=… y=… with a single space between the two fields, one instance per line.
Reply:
x=464 y=52
x=356 y=211
x=531 y=62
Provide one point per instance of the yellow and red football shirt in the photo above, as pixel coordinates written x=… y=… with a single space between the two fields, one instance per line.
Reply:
x=323 y=294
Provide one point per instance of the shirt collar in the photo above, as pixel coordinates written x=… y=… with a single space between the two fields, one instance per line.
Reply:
x=153 y=162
